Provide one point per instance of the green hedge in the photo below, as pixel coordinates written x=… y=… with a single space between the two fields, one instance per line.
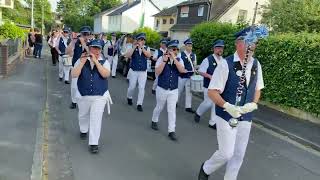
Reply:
x=290 y=63
x=205 y=34
x=291 y=67
x=11 y=31
x=153 y=38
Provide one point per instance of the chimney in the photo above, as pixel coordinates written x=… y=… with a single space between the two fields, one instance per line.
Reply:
x=130 y=2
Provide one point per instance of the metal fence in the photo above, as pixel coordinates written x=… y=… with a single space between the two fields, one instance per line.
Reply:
x=13 y=46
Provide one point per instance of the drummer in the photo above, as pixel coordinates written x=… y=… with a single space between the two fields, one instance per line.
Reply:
x=206 y=70
x=189 y=60
x=64 y=69
x=168 y=68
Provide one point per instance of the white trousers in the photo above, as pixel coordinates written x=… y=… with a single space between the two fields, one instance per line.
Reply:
x=155 y=83
x=232 y=147
x=205 y=105
x=91 y=109
x=64 y=71
x=139 y=77
x=74 y=89
x=114 y=65
x=170 y=97
x=129 y=74
x=185 y=83
x=110 y=58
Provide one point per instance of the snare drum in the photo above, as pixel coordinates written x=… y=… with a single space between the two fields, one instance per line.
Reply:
x=66 y=60
x=196 y=83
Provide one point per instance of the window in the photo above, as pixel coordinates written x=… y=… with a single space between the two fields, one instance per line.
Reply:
x=157 y=23
x=200 y=10
x=171 y=21
x=184 y=11
x=164 y=21
x=242 y=16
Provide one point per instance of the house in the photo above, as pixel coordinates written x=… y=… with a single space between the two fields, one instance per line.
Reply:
x=164 y=20
x=235 y=11
x=130 y=15
x=189 y=14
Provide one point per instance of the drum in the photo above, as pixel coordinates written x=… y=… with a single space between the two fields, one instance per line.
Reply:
x=196 y=83
x=66 y=60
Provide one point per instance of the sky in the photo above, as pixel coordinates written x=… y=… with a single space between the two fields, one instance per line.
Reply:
x=53 y=4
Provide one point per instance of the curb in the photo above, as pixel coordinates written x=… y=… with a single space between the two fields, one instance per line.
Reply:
x=294 y=137
x=278 y=130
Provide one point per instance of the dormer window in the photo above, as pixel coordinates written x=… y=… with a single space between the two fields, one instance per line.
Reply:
x=184 y=11
x=200 y=10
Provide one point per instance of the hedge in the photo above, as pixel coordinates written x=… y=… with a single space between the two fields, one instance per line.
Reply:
x=291 y=67
x=11 y=31
x=153 y=38
x=205 y=34
x=290 y=63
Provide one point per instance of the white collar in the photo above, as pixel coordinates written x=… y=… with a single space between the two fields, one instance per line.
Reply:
x=219 y=58
x=163 y=50
x=187 y=53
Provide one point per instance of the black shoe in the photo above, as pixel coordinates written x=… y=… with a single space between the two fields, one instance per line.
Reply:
x=154 y=126
x=94 y=149
x=196 y=118
x=139 y=108
x=213 y=126
x=153 y=91
x=73 y=105
x=83 y=136
x=60 y=79
x=190 y=110
x=129 y=101
x=66 y=82
x=173 y=136
x=202 y=175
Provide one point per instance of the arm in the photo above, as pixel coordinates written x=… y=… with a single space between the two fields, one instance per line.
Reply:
x=130 y=52
x=160 y=64
x=104 y=72
x=216 y=97
x=57 y=46
x=70 y=48
x=76 y=71
x=203 y=69
x=147 y=52
x=180 y=66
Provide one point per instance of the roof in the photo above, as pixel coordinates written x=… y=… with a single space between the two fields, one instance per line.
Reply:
x=182 y=27
x=162 y=4
x=124 y=8
x=189 y=2
x=220 y=7
x=167 y=12
x=108 y=11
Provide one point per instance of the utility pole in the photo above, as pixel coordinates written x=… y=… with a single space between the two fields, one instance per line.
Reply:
x=32 y=20
x=42 y=19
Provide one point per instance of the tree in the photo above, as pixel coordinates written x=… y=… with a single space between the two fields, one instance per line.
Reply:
x=292 y=15
x=77 y=13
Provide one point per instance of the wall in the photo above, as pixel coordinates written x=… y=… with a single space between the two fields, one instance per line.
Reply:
x=180 y=35
x=97 y=24
x=164 y=27
x=232 y=14
x=114 y=23
x=193 y=17
x=105 y=23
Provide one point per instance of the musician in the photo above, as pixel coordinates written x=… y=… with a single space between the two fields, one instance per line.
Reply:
x=139 y=55
x=64 y=41
x=79 y=45
x=222 y=90
x=189 y=59
x=92 y=72
x=157 y=54
x=168 y=68
x=112 y=51
x=207 y=67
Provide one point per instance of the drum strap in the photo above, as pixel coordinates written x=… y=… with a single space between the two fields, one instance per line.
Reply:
x=190 y=61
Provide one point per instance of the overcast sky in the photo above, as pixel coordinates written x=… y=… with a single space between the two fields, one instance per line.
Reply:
x=53 y=4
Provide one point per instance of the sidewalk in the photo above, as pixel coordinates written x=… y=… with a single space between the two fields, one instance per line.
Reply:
x=22 y=97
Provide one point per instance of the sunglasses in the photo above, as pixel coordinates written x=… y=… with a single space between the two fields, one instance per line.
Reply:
x=65 y=32
x=174 y=49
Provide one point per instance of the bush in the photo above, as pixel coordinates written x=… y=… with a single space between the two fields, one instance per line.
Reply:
x=205 y=34
x=153 y=38
x=291 y=68
x=11 y=31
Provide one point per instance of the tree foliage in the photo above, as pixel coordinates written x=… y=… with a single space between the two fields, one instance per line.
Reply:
x=77 y=13
x=292 y=15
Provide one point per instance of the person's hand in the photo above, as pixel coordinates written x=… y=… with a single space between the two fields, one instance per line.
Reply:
x=83 y=59
x=94 y=59
x=81 y=40
x=248 y=107
x=165 y=58
x=233 y=110
x=173 y=56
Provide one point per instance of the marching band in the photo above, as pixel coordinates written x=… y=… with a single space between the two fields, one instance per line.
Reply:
x=92 y=61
